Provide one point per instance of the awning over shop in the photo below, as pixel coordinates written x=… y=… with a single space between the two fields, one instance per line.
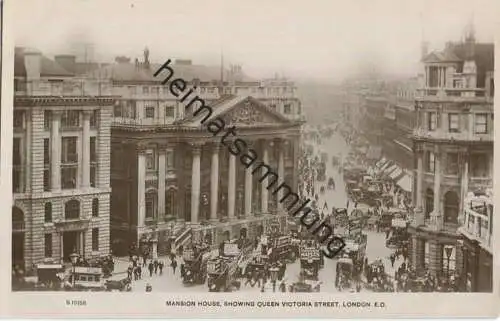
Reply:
x=385 y=166
x=397 y=172
x=381 y=162
x=389 y=170
x=406 y=183
x=374 y=152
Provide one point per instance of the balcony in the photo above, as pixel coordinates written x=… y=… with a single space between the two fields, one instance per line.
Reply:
x=453 y=95
x=145 y=122
x=73 y=224
x=479 y=183
x=421 y=133
x=67 y=87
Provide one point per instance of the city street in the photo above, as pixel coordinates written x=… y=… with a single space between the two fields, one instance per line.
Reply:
x=376 y=248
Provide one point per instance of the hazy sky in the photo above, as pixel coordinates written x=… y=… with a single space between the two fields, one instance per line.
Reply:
x=308 y=38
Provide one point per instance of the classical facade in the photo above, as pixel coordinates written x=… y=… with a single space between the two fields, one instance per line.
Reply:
x=60 y=164
x=171 y=180
x=475 y=243
x=453 y=148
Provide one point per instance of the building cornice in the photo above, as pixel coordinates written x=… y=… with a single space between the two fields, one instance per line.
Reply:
x=67 y=101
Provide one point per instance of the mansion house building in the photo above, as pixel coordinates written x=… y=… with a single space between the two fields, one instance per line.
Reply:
x=453 y=157
x=60 y=162
x=172 y=182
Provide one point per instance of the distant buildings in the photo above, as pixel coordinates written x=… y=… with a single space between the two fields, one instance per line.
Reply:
x=453 y=152
x=60 y=161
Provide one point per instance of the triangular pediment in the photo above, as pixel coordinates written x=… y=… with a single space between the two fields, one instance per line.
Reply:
x=246 y=111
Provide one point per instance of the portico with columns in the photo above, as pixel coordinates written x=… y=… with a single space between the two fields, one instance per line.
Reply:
x=187 y=181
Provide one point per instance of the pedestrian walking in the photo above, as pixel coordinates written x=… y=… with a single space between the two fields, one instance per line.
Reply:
x=160 y=266
x=144 y=259
x=151 y=269
x=155 y=265
x=139 y=271
x=347 y=205
x=173 y=265
x=392 y=257
x=325 y=206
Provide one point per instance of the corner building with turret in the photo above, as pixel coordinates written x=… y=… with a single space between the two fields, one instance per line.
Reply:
x=453 y=151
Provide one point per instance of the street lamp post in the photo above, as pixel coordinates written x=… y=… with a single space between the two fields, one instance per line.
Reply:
x=73 y=257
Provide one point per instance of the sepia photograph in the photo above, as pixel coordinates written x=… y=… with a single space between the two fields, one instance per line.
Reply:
x=215 y=153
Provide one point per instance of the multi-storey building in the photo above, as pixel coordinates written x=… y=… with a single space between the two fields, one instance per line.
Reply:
x=60 y=164
x=171 y=180
x=475 y=243
x=453 y=148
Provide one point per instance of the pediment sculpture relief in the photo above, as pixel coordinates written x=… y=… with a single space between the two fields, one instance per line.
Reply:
x=247 y=114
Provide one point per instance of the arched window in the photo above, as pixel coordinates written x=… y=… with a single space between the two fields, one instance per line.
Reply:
x=451 y=204
x=48 y=212
x=17 y=214
x=72 y=210
x=171 y=202
x=429 y=202
x=95 y=207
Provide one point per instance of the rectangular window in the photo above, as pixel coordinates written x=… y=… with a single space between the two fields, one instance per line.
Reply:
x=170 y=160
x=145 y=90
x=426 y=254
x=452 y=163
x=93 y=161
x=93 y=149
x=70 y=119
x=47 y=117
x=18 y=119
x=155 y=90
x=432 y=121
x=69 y=162
x=46 y=164
x=272 y=106
x=169 y=111
x=95 y=239
x=149 y=112
x=118 y=111
x=94 y=119
x=481 y=123
x=287 y=109
x=431 y=162
x=69 y=153
x=453 y=123
x=48 y=245
x=479 y=165
x=16 y=152
x=150 y=160
x=132 y=90
x=150 y=205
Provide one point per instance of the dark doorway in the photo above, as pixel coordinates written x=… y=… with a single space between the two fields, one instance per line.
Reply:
x=70 y=244
x=18 y=249
x=226 y=235
x=243 y=233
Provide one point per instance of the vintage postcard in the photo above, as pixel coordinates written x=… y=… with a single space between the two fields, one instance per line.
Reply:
x=248 y=158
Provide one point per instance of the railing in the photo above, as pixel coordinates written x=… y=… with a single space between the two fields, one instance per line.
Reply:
x=480 y=182
x=142 y=122
x=68 y=87
x=458 y=94
x=444 y=135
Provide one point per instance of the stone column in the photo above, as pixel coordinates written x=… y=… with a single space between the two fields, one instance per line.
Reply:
x=281 y=171
x=86 y=149
x=264 y=194
x=141 y=188
x=214 y=184
x=248 y=191
x=436 y=217
x=231 y=187
x=464 y=185
x=195 y=183
x=471 y=125
x=61 y=246
x=55 y=151
x=28 y=152
x=162 y=175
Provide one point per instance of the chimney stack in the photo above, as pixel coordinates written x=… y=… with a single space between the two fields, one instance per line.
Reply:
x=33 y=64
